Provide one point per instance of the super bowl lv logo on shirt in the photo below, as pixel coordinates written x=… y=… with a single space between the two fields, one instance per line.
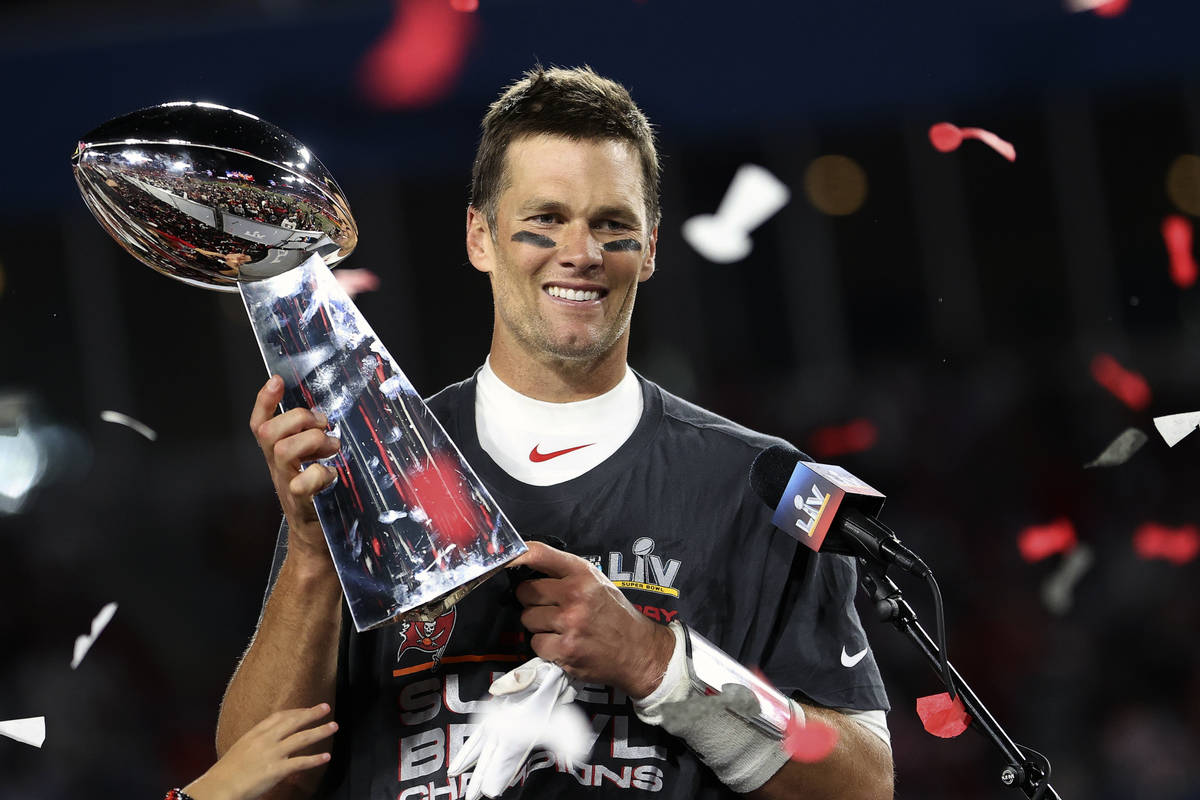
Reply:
x=437 y=696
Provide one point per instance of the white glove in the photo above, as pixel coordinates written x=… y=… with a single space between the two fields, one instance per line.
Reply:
x=531 y=707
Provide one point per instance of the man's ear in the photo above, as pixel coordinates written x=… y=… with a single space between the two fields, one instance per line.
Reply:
x=480 y=247
x=651 y=250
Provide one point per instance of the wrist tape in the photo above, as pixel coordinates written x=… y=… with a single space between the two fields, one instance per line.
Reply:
x=731 y=718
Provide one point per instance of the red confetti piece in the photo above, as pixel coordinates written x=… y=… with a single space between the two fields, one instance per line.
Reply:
x=1177 y=545
x=837 y=440
x=465 y=5
x=1111 y=8
x=946 y=137
x=1127 y=386
x=1177 y=235
x=418 y=59
x=942 y=716
x=1042 y=541
x=810 y=741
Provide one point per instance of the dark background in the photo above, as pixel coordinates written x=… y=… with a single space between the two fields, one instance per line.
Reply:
x=957 y=310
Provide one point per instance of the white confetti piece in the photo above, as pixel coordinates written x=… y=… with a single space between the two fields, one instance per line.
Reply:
x=1175 y=427
x=754 y=196
x=129 y=422
x=84 y=643
x=1058 y=590
x=1120 y=449
x=30 y=731
x=390 y=516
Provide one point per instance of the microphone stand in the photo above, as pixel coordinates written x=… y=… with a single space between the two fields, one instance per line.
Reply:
x=1026 y=769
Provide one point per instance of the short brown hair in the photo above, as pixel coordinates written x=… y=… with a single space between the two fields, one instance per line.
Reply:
x=573 y=103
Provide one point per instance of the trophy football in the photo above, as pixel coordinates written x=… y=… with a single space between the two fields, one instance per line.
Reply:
x=220 y=199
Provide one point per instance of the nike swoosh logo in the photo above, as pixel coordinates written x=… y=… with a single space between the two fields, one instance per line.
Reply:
x=852 y=660
x=538 y=458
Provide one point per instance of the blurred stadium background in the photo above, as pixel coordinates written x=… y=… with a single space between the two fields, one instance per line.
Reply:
x=930 y=321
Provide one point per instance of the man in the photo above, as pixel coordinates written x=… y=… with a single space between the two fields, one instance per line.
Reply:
x=648 y=492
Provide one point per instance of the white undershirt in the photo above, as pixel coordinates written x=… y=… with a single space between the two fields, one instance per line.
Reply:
x=518 y=431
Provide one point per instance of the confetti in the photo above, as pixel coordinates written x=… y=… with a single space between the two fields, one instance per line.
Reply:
x=810 y=741
x=754 y=196
x=1177 y=545
x=1120 y=449
x=837 y=440
x=356 y=281
x=129 y=422
x=1058 y=590
x=1128 y=387
x=946 y=137
x=1177 y=236
x=416 y=62
x=1174 y=427
x=85 y=642
x=1102 y=8
x=1042 y=541
x=30 y=731
x=942 y=716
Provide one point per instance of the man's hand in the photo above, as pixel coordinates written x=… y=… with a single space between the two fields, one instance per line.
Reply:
x=287 y=441
x=583 y=623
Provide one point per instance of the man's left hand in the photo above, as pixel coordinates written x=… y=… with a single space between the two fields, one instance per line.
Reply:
x=583 y=623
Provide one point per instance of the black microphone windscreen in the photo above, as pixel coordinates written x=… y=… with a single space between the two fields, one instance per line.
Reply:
x=771 y=471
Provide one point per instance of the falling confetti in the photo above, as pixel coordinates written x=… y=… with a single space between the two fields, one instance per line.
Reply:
x=1174 y=427
x=84 y=643
x=946 y=137
x=810 y=741
x=1102 y=8
x=1128 y=387
x=1042 y=541
x=942 y=716
x=30 y=731
x=1177 y=236
x=1120 y=449
x=129 y=422
x=838 y=440
x=416 y=62
x=356 y=281
x=1058 y=590
x=754 y=196
x=1177 y=545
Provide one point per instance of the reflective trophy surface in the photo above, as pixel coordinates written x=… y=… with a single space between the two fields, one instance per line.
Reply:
x=221 y=199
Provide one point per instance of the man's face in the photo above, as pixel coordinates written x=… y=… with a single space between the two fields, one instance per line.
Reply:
x=570 y=245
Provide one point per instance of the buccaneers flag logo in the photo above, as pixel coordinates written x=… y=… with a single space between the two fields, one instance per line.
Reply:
x=428 y=637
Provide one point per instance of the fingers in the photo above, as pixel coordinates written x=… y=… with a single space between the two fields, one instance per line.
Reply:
x=300 y=763
x=542 y=619
x=291 y=720
x=550 y=561
x=265 y=403
x=539 y=592
x=302 y=739
x=297 y=435
x=311 y=480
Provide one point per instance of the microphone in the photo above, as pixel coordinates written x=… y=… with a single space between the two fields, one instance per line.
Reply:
x=808 y=499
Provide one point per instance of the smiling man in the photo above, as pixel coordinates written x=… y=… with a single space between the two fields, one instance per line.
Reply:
x=664 y=541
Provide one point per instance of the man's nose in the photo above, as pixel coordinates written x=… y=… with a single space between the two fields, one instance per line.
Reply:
x=580 y=247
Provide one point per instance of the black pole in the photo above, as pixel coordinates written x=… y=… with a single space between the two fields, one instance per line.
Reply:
x=1030 y=775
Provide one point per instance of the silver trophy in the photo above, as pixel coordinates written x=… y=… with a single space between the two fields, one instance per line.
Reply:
x=220 y=199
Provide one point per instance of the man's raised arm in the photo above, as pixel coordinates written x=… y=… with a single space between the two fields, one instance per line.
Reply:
x=292 y=659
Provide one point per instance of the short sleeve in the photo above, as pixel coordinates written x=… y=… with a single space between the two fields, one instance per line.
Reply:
x=818 y=649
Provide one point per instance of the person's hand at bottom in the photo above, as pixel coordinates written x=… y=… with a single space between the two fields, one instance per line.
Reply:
x=263 y=757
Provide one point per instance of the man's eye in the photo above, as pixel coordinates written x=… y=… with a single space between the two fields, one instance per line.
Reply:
x=613 y=225
x=544 y=219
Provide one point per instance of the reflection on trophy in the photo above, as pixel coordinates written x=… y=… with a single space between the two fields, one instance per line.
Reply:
x=220 y=199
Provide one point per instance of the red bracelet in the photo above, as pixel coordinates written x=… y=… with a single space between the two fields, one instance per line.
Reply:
x=177 y=794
